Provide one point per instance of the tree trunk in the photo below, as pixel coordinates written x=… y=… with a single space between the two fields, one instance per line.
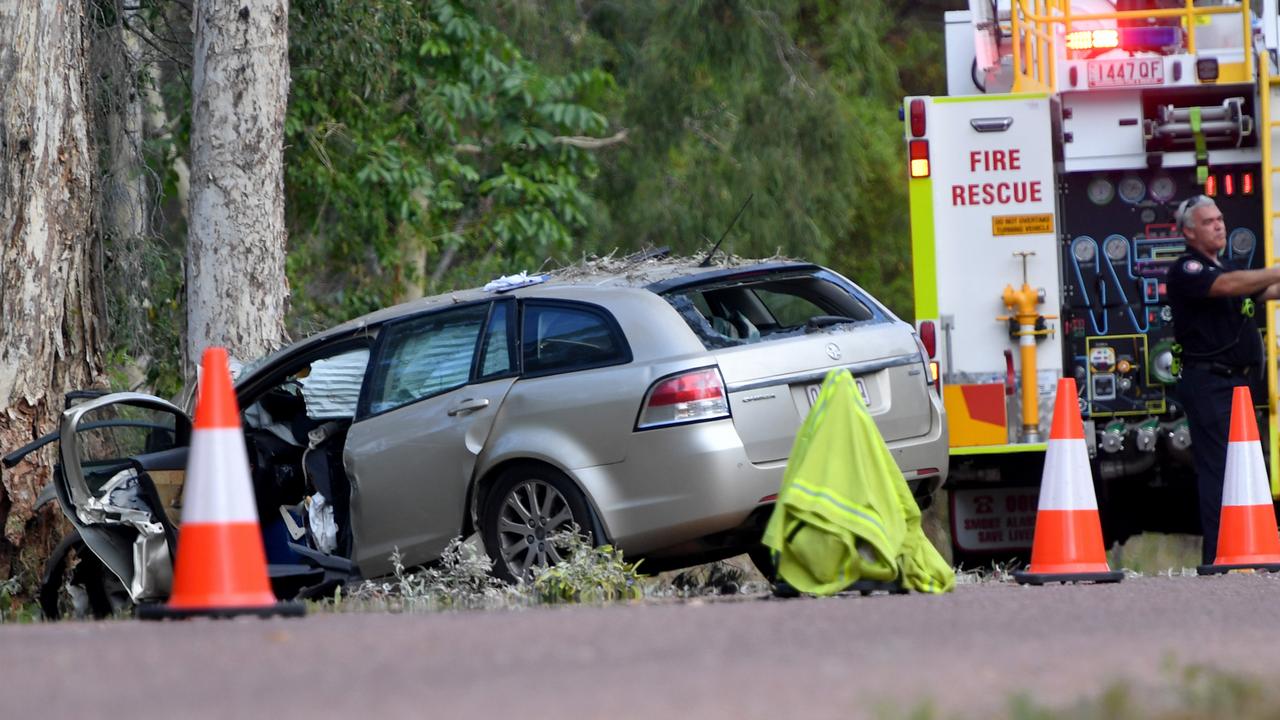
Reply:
x=237 y=292
x=50 y=293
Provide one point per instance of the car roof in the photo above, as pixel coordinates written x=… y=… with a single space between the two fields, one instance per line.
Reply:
x=653 y=271
x=647 y=272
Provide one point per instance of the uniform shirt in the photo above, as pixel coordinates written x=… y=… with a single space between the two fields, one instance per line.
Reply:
x=1210 y=329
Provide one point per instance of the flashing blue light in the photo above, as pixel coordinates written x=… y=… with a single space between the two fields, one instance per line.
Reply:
x=1158 y=38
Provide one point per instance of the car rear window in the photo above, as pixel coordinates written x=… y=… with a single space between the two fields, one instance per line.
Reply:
x=748 y=309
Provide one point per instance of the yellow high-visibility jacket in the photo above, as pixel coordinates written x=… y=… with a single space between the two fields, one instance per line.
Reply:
x=844 y=512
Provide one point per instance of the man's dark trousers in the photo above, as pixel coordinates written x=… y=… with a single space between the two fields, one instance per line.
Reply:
x=1206 y=396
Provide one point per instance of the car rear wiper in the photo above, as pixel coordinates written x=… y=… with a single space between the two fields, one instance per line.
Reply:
x=817 y=322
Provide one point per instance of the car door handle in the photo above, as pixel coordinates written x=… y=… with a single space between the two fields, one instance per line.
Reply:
x=468 y=405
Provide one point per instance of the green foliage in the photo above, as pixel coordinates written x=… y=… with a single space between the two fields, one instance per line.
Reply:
x=793 y=100
x=430 y=144
x=15 y=603
x=461 y=580
x=588 y=574
x=415 y=128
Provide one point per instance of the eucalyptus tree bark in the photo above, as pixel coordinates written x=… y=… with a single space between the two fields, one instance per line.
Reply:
x=50 y=292
x=237 y=293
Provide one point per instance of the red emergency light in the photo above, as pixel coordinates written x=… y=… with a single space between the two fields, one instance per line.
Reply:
x=917 y=118
x=929 y=337
x=1211 y=186
x=918 y=152
x=1229 y=185
x=1246 y=184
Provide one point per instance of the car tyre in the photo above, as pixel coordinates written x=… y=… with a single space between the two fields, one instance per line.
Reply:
x=77 y=585
x=528 y=504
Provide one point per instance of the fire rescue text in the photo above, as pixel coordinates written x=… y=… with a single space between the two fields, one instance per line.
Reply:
x=996 y=193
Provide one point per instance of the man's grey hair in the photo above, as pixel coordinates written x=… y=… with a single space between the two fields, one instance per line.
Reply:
x=1184 y=210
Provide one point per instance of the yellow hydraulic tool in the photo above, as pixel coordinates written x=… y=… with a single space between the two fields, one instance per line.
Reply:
x=1027 y=325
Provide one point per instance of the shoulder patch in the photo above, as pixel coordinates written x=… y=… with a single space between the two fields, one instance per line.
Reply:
x=1192 y=266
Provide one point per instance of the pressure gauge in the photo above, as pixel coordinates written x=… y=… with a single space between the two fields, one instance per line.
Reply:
x=1163 y=188
x=1132 y=189
x=1242 y=241
x=1084 y=250
x=1116 y=248
x=1101 y=191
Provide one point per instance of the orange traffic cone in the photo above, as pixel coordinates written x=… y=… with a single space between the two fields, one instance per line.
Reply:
x=1247 y=534
x=1068 y=538
x=221 y=568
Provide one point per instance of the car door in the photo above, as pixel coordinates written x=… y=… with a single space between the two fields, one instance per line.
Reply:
x=123 y=459
x=433 y=390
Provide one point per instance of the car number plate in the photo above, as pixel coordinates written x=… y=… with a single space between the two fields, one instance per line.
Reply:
x=1125 y=72
x=814 y=389
x=990 y=519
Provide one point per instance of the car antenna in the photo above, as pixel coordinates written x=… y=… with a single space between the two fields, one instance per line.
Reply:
x=706 y=261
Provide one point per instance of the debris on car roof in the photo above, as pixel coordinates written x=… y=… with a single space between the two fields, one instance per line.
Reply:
x=511 y=282
x=650 y=265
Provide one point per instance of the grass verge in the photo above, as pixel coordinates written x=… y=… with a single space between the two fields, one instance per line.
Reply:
x=1189 y=693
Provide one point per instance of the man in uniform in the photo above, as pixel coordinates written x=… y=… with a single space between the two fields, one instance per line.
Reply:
x=1213 y=301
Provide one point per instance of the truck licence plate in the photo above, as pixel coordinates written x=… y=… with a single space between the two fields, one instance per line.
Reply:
x=813 y=390
x=1125 y=72
x=988 y=519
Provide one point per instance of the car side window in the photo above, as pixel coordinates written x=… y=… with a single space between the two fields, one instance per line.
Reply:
x=562 y=337
x=425 y=356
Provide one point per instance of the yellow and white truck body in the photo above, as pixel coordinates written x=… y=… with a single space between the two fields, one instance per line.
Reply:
x=1043 y=189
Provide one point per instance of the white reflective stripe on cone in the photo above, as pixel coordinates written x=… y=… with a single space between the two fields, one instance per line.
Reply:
x=1068 y=480
x=218 y=488
x=1247 y=482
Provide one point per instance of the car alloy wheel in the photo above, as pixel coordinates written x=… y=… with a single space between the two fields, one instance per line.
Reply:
x=527 y=508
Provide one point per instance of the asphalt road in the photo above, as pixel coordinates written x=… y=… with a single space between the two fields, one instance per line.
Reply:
x=842 y=657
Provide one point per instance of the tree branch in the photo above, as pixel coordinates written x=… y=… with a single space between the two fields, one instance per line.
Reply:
x=146 y=38
x=591 y=143
x=585 y=142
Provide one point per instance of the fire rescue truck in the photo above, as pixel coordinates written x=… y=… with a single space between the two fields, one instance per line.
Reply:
x=1043 y=189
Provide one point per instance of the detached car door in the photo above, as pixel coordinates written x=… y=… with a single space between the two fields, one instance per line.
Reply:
x=433 y=390
x=123 y=460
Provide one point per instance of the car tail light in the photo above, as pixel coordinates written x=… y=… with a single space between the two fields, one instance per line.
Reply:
x=931 y=374
x=688 y=397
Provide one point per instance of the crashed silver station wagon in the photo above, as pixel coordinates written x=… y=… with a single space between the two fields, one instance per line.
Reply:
x=650 y=401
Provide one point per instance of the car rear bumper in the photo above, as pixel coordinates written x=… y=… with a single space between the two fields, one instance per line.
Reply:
x=679 y=484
